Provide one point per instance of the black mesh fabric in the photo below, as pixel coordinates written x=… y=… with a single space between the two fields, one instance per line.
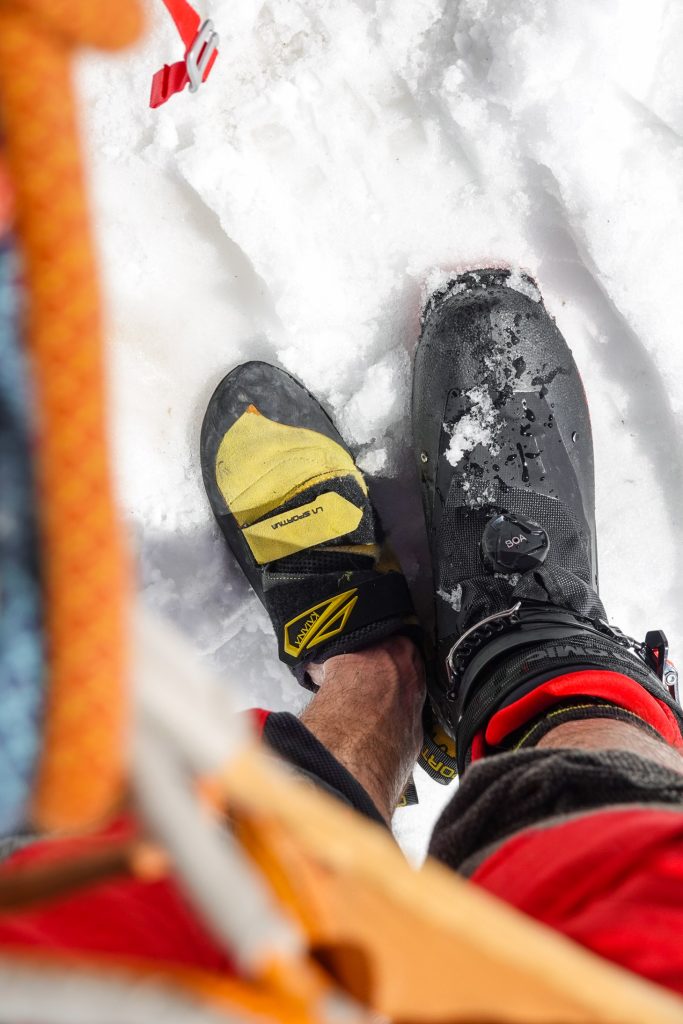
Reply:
x=317 y=560
x=564 y=580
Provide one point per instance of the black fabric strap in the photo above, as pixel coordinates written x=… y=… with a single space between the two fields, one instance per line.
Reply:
x=348 y=611
x=291 y=740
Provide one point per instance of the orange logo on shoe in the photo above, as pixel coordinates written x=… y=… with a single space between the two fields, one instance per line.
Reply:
x=319 y=623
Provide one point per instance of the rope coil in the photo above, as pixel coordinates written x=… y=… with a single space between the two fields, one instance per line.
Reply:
x=84 y=565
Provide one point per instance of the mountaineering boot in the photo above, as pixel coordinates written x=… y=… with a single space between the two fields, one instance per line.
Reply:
x=503 y=444
x=295 y=511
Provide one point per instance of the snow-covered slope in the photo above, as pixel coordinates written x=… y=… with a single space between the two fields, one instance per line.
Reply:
x=344 y=156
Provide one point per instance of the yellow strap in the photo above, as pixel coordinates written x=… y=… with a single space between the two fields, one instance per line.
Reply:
x=319 y=623
x=261 y=464
x=321 y=520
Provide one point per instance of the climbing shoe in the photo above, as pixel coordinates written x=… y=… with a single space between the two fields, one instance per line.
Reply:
x=296 y=513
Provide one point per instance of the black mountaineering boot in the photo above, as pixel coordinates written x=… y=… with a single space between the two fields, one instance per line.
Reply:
x=295 y=511
x=504 y=450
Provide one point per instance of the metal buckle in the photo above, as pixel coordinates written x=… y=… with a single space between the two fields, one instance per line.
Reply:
x=508 y=613
x=200 y=54
x=671 y=681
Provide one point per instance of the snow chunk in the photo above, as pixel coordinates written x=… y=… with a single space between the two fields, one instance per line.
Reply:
x=474 y=428
x=381 y=394
x=373 y=461
x=521 y=283
x=452 y=597
x=438 y=279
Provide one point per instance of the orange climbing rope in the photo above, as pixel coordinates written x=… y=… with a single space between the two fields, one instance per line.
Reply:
x=85 y=575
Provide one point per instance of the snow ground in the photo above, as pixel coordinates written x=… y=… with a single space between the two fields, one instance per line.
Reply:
x=343 y=156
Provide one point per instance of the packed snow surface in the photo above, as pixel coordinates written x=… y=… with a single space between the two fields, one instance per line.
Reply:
x=345 y=157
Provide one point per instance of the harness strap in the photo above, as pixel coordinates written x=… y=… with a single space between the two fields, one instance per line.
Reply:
x=201 y=50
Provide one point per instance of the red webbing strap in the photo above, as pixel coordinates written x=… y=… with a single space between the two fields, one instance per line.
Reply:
x=174 y=77
x=186 y=19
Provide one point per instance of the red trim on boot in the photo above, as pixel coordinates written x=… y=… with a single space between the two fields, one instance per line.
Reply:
x=611 y=686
